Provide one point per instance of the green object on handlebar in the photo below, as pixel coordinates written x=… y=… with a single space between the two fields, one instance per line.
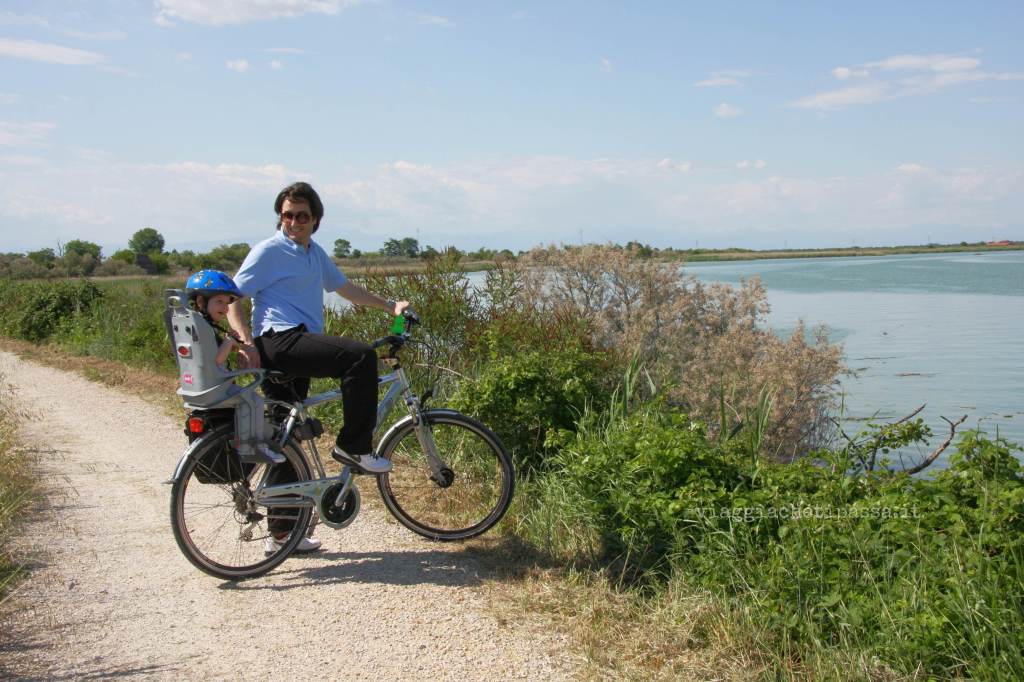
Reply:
x=398 y=326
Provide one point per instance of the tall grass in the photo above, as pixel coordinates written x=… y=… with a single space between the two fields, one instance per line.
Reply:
x=18 y=485
x=653 y=422
x=822 y=571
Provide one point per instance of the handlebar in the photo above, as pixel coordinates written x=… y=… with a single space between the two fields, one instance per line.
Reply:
x=396 y=341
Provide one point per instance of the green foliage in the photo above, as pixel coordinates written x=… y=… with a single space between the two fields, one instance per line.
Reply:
x=530 y=396
x=153 y=263
x=406 y=247
x=342 y=248
x=226 y=257
x=19 y=485
x=43 y=257
x=35 y=311
x=125 y=256
x=917 y=575
x=147 y=241
x=126 y=326
x=79 y=248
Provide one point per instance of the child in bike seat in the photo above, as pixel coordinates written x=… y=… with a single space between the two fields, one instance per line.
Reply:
x=210 y=292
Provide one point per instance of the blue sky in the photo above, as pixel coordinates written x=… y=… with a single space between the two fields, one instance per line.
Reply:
x=758 y=125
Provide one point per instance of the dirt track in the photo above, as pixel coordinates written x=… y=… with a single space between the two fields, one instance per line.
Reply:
x=111 y=595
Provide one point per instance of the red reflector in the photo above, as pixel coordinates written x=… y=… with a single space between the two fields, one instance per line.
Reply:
x=196 y=425
x=183 y=350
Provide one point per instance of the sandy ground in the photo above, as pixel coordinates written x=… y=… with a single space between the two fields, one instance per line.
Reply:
x=111 y=595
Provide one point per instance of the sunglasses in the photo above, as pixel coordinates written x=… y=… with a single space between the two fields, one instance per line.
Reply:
x=300 y=218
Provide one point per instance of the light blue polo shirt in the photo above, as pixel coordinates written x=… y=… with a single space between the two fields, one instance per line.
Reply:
x=287 y=282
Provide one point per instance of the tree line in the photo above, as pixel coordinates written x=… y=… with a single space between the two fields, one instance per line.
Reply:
x=145 y=255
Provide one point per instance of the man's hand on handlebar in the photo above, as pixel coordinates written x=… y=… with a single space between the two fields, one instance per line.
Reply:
x=399 y=307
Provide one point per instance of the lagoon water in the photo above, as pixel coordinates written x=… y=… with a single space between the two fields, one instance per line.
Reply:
x=946 y=330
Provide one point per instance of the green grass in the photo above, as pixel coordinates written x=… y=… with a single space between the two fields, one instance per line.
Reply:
x=617 y=493
x=18 y=487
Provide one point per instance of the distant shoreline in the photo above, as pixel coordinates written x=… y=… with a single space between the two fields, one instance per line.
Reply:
x=701 y=255
x=405 y=266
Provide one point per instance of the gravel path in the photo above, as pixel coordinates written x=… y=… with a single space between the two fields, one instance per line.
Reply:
x=113 y=596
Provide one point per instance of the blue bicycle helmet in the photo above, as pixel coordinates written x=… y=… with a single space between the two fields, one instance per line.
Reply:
x=210 y=283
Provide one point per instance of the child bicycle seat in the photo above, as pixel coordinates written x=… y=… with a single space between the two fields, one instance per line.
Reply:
x=203 y=384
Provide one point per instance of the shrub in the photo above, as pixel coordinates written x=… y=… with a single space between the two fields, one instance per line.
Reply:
x=532 y=395
x=708 y=343
x=906 y=575
x=115 y=266
x=44 y=307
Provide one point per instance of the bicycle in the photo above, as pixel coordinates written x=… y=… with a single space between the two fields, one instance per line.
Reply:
x=452 y=478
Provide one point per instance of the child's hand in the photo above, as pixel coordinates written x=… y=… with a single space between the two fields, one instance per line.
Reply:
x=248 y=356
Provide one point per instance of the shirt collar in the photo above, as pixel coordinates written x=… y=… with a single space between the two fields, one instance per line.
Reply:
x=288 y=243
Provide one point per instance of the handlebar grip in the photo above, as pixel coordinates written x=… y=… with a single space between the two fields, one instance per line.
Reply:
x=386 y=340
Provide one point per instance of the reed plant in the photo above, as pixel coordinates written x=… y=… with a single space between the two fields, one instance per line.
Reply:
x=673 y=456
x=18 y=485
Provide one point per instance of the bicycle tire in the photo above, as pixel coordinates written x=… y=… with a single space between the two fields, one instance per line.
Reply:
x=477 y=497
x=209 y=524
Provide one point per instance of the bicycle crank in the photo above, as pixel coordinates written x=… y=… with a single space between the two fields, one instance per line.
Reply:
x=335 y=514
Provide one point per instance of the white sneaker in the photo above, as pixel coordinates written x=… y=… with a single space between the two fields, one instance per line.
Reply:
x=305 y=546
x=370 y=463
x=259 y=453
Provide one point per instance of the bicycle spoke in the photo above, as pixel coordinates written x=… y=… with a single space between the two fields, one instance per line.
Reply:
x=474 y=490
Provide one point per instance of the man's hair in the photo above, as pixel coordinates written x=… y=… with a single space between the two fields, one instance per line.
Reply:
x=300 y=191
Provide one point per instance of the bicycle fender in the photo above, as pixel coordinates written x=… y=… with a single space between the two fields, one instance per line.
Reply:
x=193 y=446
x=408 y=418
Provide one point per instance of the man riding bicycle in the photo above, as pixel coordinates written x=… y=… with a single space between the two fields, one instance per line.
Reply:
x=286 y=276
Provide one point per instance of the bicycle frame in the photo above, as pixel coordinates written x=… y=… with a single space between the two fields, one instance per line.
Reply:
x=306 y=493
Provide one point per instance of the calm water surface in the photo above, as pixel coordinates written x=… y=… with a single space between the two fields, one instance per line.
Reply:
x=945 y=329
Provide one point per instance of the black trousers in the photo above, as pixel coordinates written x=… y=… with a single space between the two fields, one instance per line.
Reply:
x=305 y=355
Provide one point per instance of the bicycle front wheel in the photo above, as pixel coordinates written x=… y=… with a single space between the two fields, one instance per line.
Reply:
x=472 y=494
x=217 y=522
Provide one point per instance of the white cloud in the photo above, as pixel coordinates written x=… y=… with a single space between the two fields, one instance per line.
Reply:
x=727 y=78
x=286 y=50
x=679 y=167
x=991 y=100
x=24 y=134
x=83 y=198
x=726 y=110
x=606 y=65
x=844 y=97
x=14 y=19
x=95 y=35
x=717 y=82
x=9 y=98
x=22 y=160
x=276 y=65
x=910 y=168
x=842 y=73
x=225 y=12
x=746 y=163
x=183 y=56
x=434 y=20
x=928 y=62
x=49 y=53
x=901 y=76
x=514 y=202
x=239 y=65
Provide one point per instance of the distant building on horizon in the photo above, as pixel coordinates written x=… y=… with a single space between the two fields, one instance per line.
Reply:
x=1004 y=242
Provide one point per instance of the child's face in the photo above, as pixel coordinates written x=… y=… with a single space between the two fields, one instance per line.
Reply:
x=217 y=306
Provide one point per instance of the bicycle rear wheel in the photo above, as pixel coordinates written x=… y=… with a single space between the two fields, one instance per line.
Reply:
x=217 y=523
x=472 y=496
